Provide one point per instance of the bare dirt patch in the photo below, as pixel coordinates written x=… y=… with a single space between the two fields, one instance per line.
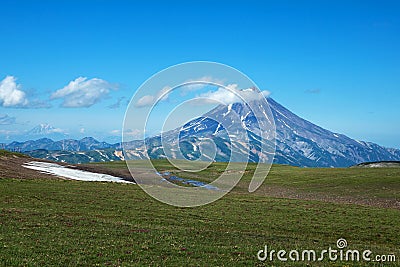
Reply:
x=11 y=167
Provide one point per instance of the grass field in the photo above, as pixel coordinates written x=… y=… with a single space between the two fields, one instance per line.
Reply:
x=47 y=222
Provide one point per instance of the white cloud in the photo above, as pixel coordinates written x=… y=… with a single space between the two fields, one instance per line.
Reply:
x=144 y=101
x=228 y=95
x=162 y=95
x=82 y=92
x=265 y=93
x=11 y=94
x=232 y=94
x=57 y=130
x=196 y=84
x=6 y=134
x=82 y=130
x=149 y=100
x=129 y=134
x=6 y=120
x=115 y=132
x=134 y=133
x=221 y=96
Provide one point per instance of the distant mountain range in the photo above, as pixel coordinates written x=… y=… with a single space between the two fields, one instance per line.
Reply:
x=76 y=157
x=84 y=144
x=84 y=150
x=298 y=143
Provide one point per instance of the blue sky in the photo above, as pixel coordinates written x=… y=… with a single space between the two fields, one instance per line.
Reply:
x=335 y=63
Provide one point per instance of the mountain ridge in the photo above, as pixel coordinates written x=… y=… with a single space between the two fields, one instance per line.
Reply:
x=84 y=144
x=298 y=142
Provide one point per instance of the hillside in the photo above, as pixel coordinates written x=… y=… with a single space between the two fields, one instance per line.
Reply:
x=92 y=223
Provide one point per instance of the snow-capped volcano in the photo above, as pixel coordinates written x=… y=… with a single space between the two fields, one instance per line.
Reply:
x=298 y=141
x=46 y=130
x=43 y=128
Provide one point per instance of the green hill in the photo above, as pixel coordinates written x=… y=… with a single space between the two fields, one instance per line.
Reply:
x=48 y=222
x=6 y=153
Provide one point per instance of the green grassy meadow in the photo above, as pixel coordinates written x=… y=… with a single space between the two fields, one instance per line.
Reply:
x=47 y=222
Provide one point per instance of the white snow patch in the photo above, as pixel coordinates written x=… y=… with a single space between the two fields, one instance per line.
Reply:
x=194 y=147
x=58 y=170
x=102 y=154
x=216 y=130
x=361 y=143
x=281 y=113
x=228 y=111
x=286 y=124
x=245 y=116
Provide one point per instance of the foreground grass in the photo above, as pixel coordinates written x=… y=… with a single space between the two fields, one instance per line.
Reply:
x=361 y=183
x=68 y=223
